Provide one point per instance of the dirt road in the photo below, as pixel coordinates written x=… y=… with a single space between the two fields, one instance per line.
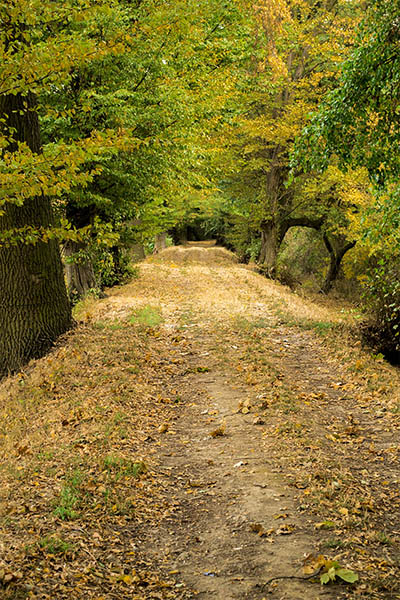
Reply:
x=271 y=443
x=278 y=454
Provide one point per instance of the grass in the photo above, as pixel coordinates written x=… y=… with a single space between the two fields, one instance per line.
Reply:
x=147 y=316
x=122 y=467
x=52 y=544
x=70 y=497
x=333 y=543
x=248 y=325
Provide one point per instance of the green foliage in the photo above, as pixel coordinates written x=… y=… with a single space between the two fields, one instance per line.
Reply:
x=148 y=93
x=112 y=267
x=70 y=497
x=333 y=570
x=358 y=121
x=52 y=544
x=382 y=303
x=122 y=467
x=302 y=259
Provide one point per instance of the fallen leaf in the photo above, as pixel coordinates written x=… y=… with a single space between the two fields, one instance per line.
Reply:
x=219 y=431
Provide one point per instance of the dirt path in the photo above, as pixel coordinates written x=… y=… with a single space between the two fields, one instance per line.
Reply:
x=266 y=436
x=301 y=454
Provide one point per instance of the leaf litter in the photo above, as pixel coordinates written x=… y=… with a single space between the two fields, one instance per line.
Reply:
x=86 y=491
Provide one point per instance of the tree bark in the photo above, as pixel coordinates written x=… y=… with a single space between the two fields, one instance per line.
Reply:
x=336 y=257
x=160 y=242
x=137 y=253
x=269 y=248
x=34 y=307
x=79 y=272
x=272 y=236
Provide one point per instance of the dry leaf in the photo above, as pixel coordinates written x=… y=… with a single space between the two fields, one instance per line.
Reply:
x=286 y=529
x=313 y=563
x=220 y=431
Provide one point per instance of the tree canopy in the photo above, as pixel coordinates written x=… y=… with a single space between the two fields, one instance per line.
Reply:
x=128 y=119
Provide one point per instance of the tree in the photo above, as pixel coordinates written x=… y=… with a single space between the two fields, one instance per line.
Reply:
x=358 y=123
x=34 y=309
x=37 y=52
x=167 y=87
x=298 y=48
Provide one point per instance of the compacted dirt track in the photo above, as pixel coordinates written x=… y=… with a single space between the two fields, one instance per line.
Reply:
x=270 y=439
x=272 y=416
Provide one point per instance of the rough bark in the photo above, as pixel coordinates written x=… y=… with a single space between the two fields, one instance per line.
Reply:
x=137 y=253
x=272 y=236
x=79 y=272
x=160 y=242
x=336 y=257
x=269 y=248
x=34 y=307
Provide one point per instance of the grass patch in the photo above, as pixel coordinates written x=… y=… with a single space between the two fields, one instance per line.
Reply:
x=51 y=544
x=147 y=316
x=243 y=324
x=122 y=467
x=83 y=310
x=70 y=498
x=333 y=543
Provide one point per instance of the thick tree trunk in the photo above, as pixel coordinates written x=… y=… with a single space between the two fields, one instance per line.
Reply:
x=160 y=242
x=270 y=228
x=336 y=257
x=269 y=248
x=79 y=272
x=34 y=308
x=137 y=253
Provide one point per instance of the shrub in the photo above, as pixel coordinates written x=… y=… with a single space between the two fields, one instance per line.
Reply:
x=382 y=304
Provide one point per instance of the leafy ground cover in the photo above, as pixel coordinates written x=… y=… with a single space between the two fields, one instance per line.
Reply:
x=202 y=433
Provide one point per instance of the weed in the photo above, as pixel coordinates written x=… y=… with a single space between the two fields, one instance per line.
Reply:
x=123 y=467
x=123 y=433
x=297 y=429
x=383 y=539
x=70 y=497
x=45 y=455
x=119 y=418
x=244 y=324
x=186 y=317
x=202 y=369
x=115 y=326
x=52 y=544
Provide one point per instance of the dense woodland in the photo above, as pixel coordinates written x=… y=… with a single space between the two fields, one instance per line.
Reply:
x=272 y=126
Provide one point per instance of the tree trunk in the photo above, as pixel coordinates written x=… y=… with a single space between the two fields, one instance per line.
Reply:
x=160 y=242
x=34 y=307
x=269 y=248
x=79 y=272
x=137 y=253
x=336 y=257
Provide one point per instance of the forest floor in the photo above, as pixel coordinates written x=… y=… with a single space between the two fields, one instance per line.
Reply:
x=201 y=432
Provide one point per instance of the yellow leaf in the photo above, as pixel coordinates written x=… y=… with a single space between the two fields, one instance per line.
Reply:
x=313 y=563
